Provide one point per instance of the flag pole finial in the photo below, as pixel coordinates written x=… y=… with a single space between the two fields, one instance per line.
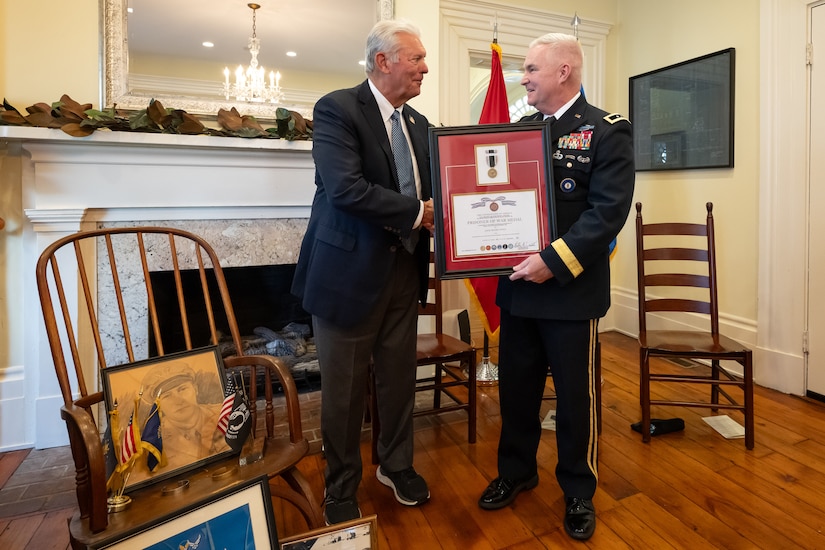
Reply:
x=575 y=22
x=495 y=29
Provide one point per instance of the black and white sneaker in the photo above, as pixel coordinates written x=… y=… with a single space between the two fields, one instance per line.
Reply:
x=340 y=510
x=410 y=488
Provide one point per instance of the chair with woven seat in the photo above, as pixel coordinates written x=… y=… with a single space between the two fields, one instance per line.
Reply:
x=677 y=277
x=452 y=362
x=99 y=302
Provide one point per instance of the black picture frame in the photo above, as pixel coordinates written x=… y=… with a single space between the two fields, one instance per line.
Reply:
x=683 y=114
x=240 y=516
x=132 y=384
x=492 y=195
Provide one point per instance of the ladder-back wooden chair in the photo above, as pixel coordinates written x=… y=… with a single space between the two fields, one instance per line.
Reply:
x=99 y=305
x=449 y=358
x=677 y=262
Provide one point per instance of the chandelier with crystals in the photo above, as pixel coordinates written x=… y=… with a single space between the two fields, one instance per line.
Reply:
x=250 y=83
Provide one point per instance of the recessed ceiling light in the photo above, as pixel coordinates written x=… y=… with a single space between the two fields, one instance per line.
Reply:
x=208 y=45
x=130 y=10
x=291 y=54
x=362 y=63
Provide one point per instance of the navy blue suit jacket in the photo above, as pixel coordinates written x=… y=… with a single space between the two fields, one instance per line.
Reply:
x=358 y=213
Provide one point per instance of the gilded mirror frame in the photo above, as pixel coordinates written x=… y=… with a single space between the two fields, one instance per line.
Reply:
x=115 y=78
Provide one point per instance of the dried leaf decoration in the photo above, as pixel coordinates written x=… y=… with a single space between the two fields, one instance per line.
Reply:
x=74 y=129
x=10 y=115
x=71 y=109
x=157 y=114
x=230 y=120
x=80 y=120
x=241 y=125
x=190 y=124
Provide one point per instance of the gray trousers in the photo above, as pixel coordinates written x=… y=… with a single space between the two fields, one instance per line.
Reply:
x=387 y=338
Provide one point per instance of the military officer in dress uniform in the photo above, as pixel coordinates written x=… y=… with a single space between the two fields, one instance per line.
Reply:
x=551 y=303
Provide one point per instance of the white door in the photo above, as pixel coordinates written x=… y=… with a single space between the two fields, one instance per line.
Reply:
x=816 y=239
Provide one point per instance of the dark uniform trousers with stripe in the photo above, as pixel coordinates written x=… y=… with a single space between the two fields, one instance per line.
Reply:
x=554 y=324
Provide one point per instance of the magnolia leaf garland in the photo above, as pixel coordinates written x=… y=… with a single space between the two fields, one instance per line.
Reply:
x=80 y=120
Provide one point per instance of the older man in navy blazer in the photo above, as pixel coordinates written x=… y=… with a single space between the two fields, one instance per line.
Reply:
x=363 y=264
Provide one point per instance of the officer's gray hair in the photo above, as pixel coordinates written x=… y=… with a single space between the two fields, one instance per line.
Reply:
x=566 y=46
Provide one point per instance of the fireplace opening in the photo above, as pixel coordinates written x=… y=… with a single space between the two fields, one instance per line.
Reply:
x=270 y=319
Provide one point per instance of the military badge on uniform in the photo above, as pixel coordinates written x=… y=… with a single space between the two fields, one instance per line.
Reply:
x=576 y=140
x=567 y=185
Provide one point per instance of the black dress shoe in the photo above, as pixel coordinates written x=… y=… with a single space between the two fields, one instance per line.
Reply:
x=579 y=518
x=661 y=426
x=502 y=491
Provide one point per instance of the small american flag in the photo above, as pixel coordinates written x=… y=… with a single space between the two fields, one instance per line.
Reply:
x=228 y=402
x=131 y=443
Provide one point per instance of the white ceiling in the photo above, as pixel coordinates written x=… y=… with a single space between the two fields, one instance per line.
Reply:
x=328 y=35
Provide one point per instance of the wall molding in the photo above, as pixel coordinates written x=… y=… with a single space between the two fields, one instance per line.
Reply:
x=466 y=29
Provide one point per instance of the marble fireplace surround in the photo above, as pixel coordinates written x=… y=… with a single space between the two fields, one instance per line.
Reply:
x=249 y=198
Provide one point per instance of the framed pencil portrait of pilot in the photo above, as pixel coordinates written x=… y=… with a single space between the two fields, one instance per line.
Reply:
x=165 y=416
x=492 y=194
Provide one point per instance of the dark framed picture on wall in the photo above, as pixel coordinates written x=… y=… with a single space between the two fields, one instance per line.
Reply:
x=683 y=114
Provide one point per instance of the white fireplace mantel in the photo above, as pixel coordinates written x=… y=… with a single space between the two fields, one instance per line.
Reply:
x=68 y=184
x=129 y=176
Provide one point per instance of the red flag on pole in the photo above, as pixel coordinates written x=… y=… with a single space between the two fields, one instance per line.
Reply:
x=496 y=110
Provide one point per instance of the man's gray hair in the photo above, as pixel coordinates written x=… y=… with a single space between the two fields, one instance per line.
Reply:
x=557 y=38
x=567 y=47
x=384 y=38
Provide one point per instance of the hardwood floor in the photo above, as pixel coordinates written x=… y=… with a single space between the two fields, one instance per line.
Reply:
x=692 y=489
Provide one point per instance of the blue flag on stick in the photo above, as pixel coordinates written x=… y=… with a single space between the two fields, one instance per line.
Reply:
x=152 y=439
x=109 y=447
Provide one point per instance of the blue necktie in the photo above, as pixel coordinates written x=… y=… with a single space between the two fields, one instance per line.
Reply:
x=404 y=169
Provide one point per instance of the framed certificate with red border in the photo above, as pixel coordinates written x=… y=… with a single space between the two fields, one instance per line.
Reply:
x=492 y=194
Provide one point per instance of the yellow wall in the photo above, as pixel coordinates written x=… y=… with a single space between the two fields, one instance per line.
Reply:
x=645 y=43
x=4 y=31
x=50 y=48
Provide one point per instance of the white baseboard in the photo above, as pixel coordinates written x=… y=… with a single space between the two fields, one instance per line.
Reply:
x=51 y=429
x=14 y=420
x=773 y=369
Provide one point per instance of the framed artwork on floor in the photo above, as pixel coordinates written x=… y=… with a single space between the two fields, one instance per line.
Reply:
x=239 y=517
x=358 y=534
